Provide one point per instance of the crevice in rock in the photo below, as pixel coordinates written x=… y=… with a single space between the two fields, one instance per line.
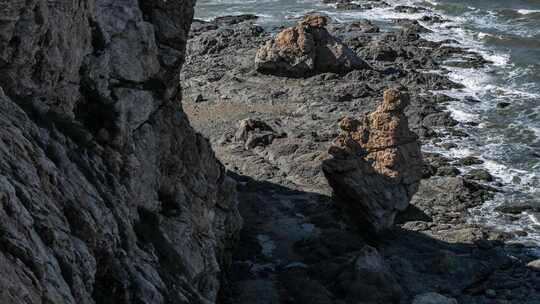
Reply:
x=96 y=115
x=99 y=43
x=149 y=234
x=109 y=287
x=170 y=206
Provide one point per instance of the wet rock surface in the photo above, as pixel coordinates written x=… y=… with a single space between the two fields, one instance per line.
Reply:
x=298 y=245
x=107 y=194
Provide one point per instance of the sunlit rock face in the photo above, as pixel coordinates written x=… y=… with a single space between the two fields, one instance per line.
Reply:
x=306 y=49
x=376 y=163
x=107 y=194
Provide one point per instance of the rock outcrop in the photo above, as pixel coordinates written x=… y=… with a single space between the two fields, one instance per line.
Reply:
x=433 y=298
x=376 y=163
x=107 y=194
x=255 y=133
x=306 y=49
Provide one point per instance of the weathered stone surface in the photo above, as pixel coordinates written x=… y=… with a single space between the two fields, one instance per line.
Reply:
x=535 y=265
x=373 y=280
x=376 y=163
x=433 y=298
x=255 y=133
x=107 y=194
x=306 y=49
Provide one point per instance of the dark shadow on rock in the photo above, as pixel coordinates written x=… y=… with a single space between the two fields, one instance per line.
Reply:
x=341 y=263
x=412 y=213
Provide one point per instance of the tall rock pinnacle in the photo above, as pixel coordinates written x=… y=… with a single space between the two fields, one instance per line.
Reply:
x=376 y=163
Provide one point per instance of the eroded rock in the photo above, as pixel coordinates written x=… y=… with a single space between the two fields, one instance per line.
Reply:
x=373 y=280
x=433 y=298
x=376 y=163
x=255 y=133
x=107 y=194
x=306 y=49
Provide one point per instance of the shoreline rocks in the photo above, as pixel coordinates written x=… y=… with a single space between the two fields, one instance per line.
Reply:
x=298 y=245
x=307 y=49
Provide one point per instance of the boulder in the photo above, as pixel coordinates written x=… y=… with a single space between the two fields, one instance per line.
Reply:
x=306 y=49
x=480 y=175
x=513 y=206
x=370 y=278
x=535 y=265
x=376 y=164
x=433 y=298
x=255 y=133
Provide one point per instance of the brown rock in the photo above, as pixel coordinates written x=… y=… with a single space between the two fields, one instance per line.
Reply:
x=306 y=49
x=376 y=163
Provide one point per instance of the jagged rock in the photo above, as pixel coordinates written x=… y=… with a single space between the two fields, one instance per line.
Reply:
x=480 y=175
x=470 y=161
x=433 y=298
x=376 y=163
x=535 y=265
x=255 y=133
x=409 y=9
x=517 y=206
x=371 y=279
x=107 y=194
x=231 y=20
x=306 y=49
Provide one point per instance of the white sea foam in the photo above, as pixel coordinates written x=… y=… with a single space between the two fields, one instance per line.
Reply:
x=527 y=12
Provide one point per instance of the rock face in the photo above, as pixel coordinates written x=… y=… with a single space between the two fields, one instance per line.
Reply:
x=307 y=49
x=376 y=163
x=107 y=194
x=373 y=280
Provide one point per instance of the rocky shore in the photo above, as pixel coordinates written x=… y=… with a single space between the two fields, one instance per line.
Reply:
x=272 y=113
x=286 y=165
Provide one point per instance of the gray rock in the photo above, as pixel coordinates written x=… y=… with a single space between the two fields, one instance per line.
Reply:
x=108 y=194
x=480 y=175
x=255 y=133
x=433 y=298
x=448 y=171
x=470 y=161
x=535 y=265
x=517 y=207
x=372 y=279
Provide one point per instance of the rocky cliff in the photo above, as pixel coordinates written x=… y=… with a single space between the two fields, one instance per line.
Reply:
x=107 y=194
